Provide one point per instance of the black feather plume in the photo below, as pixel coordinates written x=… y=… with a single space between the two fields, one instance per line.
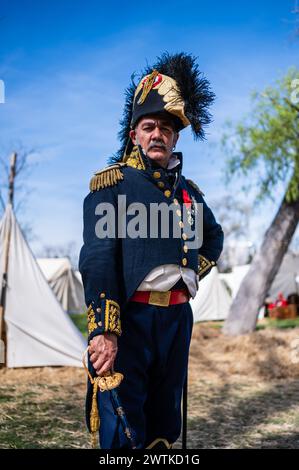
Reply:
x=194 y=89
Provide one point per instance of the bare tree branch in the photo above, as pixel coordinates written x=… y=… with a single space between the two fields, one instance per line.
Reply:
x=68 y=250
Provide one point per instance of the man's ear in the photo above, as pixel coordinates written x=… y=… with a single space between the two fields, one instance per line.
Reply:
x=132 y=134
x=176 y=138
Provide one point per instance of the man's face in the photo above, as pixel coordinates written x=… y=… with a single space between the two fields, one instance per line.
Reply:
x=157 y=137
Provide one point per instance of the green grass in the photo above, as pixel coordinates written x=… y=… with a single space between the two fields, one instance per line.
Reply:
x=278 y=324
x=212 y=324
x=31 y=423
x=80 y=320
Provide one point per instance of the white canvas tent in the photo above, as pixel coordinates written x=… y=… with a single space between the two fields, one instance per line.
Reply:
x=233 y=279
x=284 y=281
x=212 y=300
x=65 y=283
x=39 y=332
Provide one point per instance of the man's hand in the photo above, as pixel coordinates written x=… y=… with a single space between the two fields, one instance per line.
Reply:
x=103 y=350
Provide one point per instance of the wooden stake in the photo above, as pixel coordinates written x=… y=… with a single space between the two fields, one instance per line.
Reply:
x=3 y=345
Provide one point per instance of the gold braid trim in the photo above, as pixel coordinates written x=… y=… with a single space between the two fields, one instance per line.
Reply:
x=147 y=86
x=91 y=319
x=109 y=176
x=204 y=264
x=194 y=185
x=112 y=317
x=134 y=159
x=167 y=444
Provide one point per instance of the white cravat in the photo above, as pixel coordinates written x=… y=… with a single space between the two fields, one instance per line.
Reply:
x=173 y=161
x=165 y=276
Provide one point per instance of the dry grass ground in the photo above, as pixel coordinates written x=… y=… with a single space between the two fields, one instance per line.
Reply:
x=243 y=392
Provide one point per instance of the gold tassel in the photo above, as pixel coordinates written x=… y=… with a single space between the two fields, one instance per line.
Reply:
x=147 y=86
x=94 y=415
x=94 y=419
x=107 y=381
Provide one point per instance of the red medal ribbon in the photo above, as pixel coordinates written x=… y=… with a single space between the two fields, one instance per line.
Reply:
x=186 y=198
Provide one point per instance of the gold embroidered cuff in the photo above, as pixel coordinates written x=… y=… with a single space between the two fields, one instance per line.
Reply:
x=204 y=266
x=104 y=318
x=91 y=320
x=112 y=317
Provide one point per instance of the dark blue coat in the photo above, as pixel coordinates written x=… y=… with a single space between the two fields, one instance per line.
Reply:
x=112 y=268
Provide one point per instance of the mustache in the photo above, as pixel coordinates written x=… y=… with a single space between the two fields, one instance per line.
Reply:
x=157 y=144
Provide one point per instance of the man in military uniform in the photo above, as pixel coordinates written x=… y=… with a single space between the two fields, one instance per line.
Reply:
x=137 y=288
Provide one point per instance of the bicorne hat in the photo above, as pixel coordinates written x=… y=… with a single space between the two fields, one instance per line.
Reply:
x=173 y=86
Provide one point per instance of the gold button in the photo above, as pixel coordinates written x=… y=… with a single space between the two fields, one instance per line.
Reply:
x=184 y=236
x=184 y=261
x=185 y=248
x=176 y=201
x=102 y=295
x=157 y=174
x=167 y=193
x=160 y=184
x=181 y=224
x=178 y=212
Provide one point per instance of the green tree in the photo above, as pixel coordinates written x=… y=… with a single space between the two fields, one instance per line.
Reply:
x=264 y=148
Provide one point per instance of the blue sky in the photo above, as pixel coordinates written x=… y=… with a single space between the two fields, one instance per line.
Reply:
x=66 y=64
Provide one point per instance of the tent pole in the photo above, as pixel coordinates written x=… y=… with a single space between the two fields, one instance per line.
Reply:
x=3 y=345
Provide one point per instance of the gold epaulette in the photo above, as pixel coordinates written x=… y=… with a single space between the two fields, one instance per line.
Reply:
x=194 y=185
x=108 y=176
